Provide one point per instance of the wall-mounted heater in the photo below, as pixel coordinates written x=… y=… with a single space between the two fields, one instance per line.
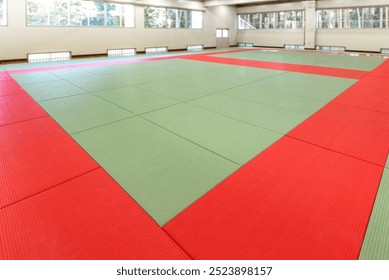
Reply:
x=48 y=56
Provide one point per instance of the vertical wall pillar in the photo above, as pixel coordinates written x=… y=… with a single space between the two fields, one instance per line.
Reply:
x=310 y=24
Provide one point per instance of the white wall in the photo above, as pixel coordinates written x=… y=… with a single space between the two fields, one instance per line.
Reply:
x=17 y=40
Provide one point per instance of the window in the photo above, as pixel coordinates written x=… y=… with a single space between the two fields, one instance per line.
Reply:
x=157 y=17
x=222 y=33
x=79 y=13
x=369 y=17
x=274 y=20
x=3 y=12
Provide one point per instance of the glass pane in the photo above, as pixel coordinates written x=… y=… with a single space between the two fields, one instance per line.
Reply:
x=219 y=33
x=225 y=33
x=114 y=15
x=171 y=18
x=79 y=13
x=280 y=20
x=37 y=13
x=197 y=19
x=183 y=19
x=272 y=20
x=265 y=21
x=97 y=14
x=155 y=17
x=243 y=21
x=351 y=18
x=58 y=11
x=128 y=16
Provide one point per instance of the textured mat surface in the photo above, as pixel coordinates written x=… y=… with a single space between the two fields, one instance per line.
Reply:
x=82 y=112
x=37 y=155
x=9 y=87
x=233 y=140
x=366 y=98
x=271 y=118
x=18 y=107
x=376 y=243
x=89 y=217
x=293 y=201
x=360 y=133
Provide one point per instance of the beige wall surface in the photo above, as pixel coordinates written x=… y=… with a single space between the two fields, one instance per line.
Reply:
x=17 y=39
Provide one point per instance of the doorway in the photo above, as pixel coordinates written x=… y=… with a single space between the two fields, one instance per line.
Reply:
x=222 y=38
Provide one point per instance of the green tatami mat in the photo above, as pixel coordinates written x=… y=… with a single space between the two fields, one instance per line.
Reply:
x=376 y=243
x=97 y=82
x=232 y=139
x=273 y=98
x=34 y=77
x=231 y=76
x=311 y=58
x=81 y=112
x=130 y=77
x=175 y=90
x=313 y=81
x=366 y=63
x=71 y=73
x=52 y=90
x=300 y=90
x=135 y=100
x=264 y=116
x=163 y=172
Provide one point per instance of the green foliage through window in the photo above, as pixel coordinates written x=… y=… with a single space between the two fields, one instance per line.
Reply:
x=368 y=17
x=79 y=13
x=157 y=17
x=273 y=20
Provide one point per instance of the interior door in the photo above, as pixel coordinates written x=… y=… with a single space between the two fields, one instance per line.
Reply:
x=222 y=38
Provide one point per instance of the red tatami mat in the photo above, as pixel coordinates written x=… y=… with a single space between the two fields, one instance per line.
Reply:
x=382 y=70
x=375 y=82
x=10 y=87
x=18 y=107
x=367 y=98
x=89 y=217
x=4 y=76
x=293 y=201
x=356 y=132
x=318 y=70
x=37 y=155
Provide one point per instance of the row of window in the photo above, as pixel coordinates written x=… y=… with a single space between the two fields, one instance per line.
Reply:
x=79 y=13
x=371 y=17
x=106 y=14
x=100 y=14
x=274 y=20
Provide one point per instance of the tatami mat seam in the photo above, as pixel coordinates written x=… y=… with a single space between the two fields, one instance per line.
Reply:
x=49 y=188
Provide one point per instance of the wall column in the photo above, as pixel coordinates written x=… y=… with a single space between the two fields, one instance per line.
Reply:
x=310 y=24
